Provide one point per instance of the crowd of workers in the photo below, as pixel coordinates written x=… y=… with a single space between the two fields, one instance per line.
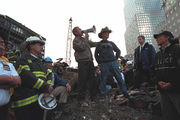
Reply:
x=32 y=76
x=21 y=84
x=149 y=68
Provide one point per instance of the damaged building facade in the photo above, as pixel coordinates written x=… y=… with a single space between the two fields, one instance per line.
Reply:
x=15 y=31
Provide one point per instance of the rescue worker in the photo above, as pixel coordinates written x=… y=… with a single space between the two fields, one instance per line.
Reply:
x=10 y=53
x=8 y=79
x=33 y=75
x=167 y=74
x=60 y=86
x=2 y=38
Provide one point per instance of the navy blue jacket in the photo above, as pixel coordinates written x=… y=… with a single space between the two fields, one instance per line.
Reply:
x=147 y=56
x=167 y=67
x=105 y=51
x=59 y=81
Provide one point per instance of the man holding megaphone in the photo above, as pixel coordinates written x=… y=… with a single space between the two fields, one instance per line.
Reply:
x=83 y=55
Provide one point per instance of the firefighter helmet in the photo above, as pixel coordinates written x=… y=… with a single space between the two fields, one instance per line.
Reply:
x=48 y=59
x=33 y=39
x=47 y=103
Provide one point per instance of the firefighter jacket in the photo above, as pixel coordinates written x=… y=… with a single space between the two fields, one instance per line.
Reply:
x=54 y=79
x=33 y=76
x=167 y=67
x=12 y=55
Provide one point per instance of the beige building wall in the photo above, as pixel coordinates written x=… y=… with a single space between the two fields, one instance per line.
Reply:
x=172 y=11
x=131 y=37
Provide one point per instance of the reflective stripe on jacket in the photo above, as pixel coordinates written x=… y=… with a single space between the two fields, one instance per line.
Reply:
x=33 y=75
x=25 y=101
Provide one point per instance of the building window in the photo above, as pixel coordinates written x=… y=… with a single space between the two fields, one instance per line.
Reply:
x=178 y=21
x=172 y=18
x=179 y=3
x=171 y=11
x=175 y=30
x=170 y=27
x=174 y=8
x=7 y=24
x=177 y=14
x=174 y=24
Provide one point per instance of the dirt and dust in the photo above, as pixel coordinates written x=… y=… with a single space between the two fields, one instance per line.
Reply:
x=142 y=105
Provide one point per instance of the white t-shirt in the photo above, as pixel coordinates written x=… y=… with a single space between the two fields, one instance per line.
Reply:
x=6 y=69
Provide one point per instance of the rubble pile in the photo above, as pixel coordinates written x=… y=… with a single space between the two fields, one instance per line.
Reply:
x=141 y=105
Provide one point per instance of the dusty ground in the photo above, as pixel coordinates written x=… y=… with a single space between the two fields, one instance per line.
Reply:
x=113 y=108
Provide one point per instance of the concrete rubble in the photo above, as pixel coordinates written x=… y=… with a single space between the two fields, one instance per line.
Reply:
x=141 y=105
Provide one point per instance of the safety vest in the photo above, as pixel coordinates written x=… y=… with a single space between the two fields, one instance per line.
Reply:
x=50 y=79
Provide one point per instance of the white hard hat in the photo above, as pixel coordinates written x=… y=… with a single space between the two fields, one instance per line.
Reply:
x=47 y=103
x=34 y=39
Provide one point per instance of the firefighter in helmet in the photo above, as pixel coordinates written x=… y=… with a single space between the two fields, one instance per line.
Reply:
x=11 y=53
x=32 y=71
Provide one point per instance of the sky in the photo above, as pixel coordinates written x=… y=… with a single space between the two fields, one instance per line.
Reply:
x=50 y=18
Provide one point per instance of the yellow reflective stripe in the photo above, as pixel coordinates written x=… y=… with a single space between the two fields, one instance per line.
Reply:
x=17 y=51
x=11 y=57
x=21 y=67
x=25 y=101
x=38 y=84
x=48 y=72
x=49 y=82
x=39 y=74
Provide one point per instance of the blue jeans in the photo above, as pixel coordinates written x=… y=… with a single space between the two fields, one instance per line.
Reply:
x=105 y=70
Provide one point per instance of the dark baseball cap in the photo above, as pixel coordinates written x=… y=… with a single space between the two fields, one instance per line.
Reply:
x=167 y=33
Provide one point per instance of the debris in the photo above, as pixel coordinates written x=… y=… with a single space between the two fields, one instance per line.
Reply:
x=84 y=117
x=142 y=104
x=84 y=104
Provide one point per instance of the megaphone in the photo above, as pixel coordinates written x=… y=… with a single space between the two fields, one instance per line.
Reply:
x=93 y=30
